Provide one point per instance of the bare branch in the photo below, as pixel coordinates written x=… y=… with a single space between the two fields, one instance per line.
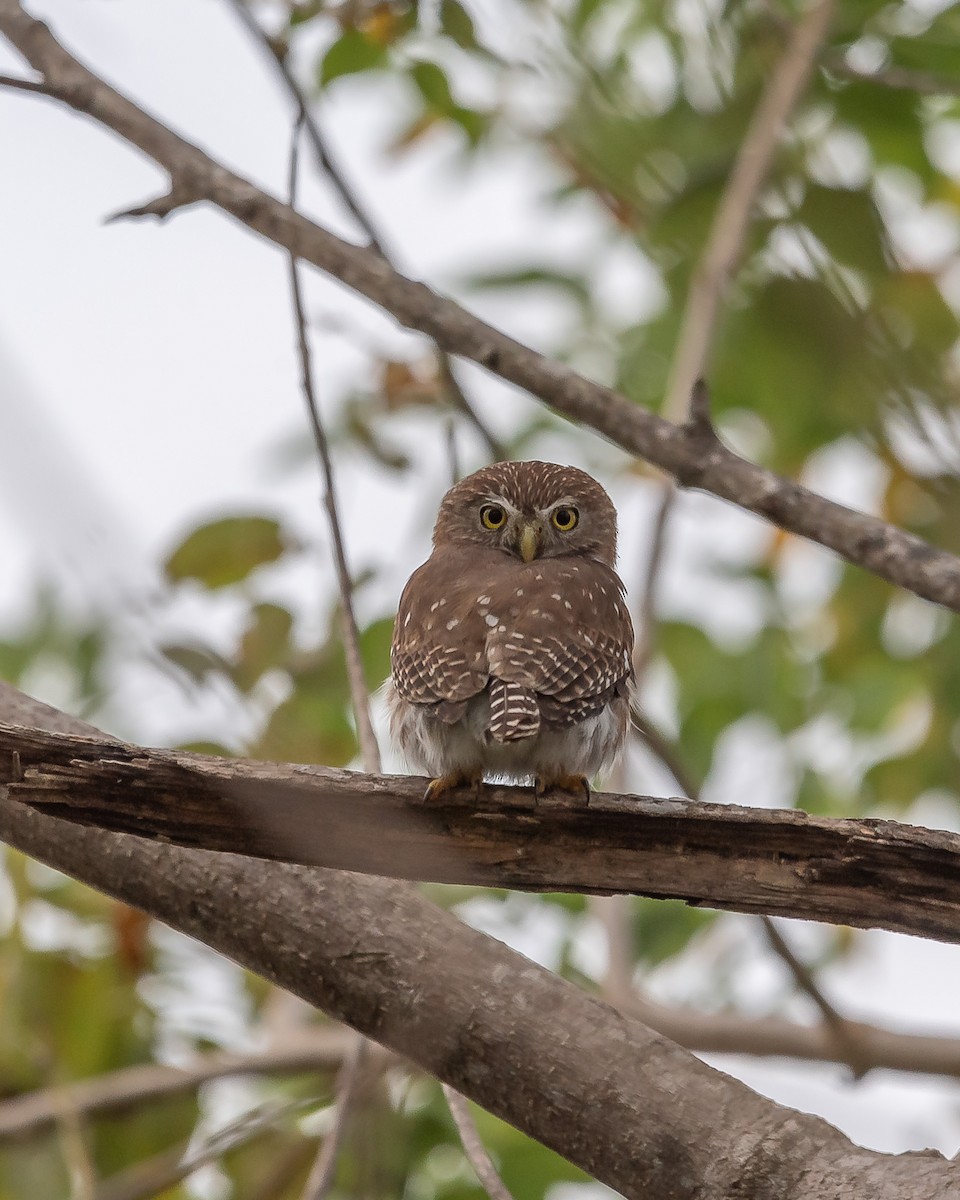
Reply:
x=323 y=1173
x=873 y=544
x=161 y=207
x=473 y=1146
x=356 y=209
x=376 y=955
x=643 y=647
x=729 y=227
x=866 y=873
x=80 y=1168
x=27 y=85
x=848 y=1045
x=156 y=1175
x=30 y=1114
x=775 y=1037
x=359 y=693
x=846 y=1038
x=901 y=79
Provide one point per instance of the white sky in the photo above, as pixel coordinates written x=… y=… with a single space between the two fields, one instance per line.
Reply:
x=146 y=370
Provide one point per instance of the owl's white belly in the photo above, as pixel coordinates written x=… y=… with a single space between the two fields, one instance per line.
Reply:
x=436 y=748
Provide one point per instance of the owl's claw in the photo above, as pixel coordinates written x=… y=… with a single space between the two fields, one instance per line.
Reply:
x=440 y=790
x=560 y=790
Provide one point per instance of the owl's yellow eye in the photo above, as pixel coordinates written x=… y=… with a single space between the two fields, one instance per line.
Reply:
x=565 y=518
x=492 y=516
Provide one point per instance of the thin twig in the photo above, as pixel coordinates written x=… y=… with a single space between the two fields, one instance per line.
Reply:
x=647 y=610
x=329 y=165
x=900 y=79
x=80 y=1168
x=473 y=1146
x=664 y=750
x=724 y=244
x=165 y=1170
x=310 y=126
x=369 y=750
x=323 y=1172
x=848 y=1044
x=28 y=85
x=844 y=1031
x=453 y=458
x=32 y=1113
x=686 y=394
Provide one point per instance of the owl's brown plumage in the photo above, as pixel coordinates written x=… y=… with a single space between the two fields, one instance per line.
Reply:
x=512 y=648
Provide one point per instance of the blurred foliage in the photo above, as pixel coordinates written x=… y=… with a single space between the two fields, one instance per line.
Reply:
x=838 y=343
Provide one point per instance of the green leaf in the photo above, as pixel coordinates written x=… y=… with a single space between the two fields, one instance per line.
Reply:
x=572 y=284
x=434 y=86
x=457 y=24
x=311 y=726
x=227 y=551
x=662 y=928
x=197 y=661
x=375 y=651
x=265 y=644
x=350 y=53
x=846 y=221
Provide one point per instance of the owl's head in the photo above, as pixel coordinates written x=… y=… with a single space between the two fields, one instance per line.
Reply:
x=530 y=510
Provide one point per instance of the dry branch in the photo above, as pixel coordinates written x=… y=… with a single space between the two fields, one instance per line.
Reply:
x=866 y=873
x=619 y=1100
x=889 y=552
x=24 y=1116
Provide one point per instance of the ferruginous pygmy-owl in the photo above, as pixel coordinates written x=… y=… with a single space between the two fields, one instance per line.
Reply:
x=513 y=644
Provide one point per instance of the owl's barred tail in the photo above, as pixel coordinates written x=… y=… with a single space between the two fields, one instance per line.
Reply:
x=514 y=712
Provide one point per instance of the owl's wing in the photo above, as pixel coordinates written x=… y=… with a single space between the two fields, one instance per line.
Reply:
x=438 y=651
x=572 y=645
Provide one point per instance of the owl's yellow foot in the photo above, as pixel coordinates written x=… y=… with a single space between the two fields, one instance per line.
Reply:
x=563 y=790
x=440 y=790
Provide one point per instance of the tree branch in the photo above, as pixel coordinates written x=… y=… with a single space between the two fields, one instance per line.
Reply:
x=889 y=552
x=724 y=246
x=359 y=693
x=637 y=1112
x=32 y=1113
x=351 y=201
x=866 y=873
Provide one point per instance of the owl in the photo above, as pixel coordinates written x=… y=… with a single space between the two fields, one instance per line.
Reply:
x=512 y=650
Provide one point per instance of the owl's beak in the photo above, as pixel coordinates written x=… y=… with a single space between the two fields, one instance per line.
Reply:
x=530 y=541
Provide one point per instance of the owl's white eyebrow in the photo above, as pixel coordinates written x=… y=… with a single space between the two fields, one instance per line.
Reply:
x=563 y=502
x=492 y=499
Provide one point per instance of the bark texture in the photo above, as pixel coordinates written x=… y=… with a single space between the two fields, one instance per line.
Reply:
x=630 y=1107
x=865 y=873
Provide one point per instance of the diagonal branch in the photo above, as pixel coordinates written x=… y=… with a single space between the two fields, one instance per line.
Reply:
x=356 y=209
x=866 y=873
x=682 y=451
x=728 y=230
x=623 y=1103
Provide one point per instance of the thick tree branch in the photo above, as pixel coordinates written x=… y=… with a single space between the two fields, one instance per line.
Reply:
x=889 y=552
x=867 y=873
x=622 y=1102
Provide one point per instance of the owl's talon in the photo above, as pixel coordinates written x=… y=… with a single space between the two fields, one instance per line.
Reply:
x=560 y=790
x=439 y=791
